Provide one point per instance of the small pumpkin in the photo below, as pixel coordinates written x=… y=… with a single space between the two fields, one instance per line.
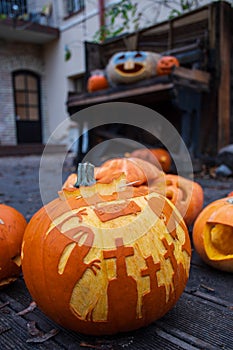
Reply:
x=97 y=81
x=157 y=156
x=213 y=234
x=165 y=65
x=12 y=227
x=106 y=260
x=185 y=194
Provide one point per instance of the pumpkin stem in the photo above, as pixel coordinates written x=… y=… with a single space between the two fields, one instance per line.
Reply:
x=85 y=175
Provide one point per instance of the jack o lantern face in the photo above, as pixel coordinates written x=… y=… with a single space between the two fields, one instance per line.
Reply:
x=131 y=66
x=130 y=63
x=165 y=65
x=213 y=234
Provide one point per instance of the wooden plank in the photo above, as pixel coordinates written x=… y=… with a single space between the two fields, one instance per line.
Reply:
x=225 y=67
x=194 y=17
x=90 y=100
x=194 y=78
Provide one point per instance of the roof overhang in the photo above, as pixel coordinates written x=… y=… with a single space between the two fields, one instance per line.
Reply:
x=26 y=31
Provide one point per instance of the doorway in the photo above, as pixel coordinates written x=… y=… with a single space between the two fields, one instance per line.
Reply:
x=26 y=85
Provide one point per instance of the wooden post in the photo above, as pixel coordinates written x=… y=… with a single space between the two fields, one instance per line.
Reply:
x=225 y=76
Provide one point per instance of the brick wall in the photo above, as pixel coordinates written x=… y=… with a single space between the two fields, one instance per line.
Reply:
x=16 y=56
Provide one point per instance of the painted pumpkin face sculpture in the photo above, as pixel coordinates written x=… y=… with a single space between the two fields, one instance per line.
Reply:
x=104 y=261
x=131 y=66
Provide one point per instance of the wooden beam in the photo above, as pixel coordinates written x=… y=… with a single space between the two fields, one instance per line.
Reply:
x=194 y=78
x=86 y=99
x=225 y=75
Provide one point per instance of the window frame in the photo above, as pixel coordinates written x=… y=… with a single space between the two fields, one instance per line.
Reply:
x=6 y=7
x=73 y=7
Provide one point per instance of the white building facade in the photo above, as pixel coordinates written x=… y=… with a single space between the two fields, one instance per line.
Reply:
x=42 y=58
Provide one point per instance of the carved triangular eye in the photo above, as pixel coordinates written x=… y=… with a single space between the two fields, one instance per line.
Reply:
x=138 y=55
x=122 y=57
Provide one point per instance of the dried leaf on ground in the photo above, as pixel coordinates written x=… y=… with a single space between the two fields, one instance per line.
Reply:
x=30 y=308
x=43 y=337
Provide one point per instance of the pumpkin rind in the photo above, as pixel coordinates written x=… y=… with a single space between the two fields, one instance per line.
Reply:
x=12 y=227
x=213 y=234
x=103 y=276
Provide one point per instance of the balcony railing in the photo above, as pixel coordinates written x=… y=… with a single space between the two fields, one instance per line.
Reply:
x=13 y=8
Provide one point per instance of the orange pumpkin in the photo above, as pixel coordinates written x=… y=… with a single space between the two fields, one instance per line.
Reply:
x=137 y=171
x=106 y=260
x=12 y=226
x=157 y=156
x=165 y=65
x=97 y=81
x=186 y=195
x=213 y=234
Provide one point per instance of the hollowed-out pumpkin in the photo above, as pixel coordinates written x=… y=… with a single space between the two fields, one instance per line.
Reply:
x=108 y=259
x=165 y=65
x=12 y=226
x=158 y=156
x=186 y=195
x=213 y=234
x=97 y=81
x=131 y=66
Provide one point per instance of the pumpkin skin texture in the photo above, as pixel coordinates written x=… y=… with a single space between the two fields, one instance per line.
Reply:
x=157 y=156
x=186 y=195
x=137 y=171
x=213 y=234
x=103 y=264
x=131 y=66
x=12 y=227
x=165 y=65
x=97 y=81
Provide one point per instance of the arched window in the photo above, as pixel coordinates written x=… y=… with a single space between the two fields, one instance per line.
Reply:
x=26 y=86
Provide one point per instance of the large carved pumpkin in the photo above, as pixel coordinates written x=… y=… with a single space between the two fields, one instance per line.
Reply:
x=131 y=66
x=12 y=226
x=213 y=234
x=106 y=260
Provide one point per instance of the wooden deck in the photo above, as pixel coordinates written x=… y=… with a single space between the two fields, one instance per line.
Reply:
x=202 y=318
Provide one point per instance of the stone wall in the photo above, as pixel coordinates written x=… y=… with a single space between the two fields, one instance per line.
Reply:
x=13 y=57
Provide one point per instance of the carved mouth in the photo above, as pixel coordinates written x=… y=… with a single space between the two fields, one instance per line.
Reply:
x=135 y=70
